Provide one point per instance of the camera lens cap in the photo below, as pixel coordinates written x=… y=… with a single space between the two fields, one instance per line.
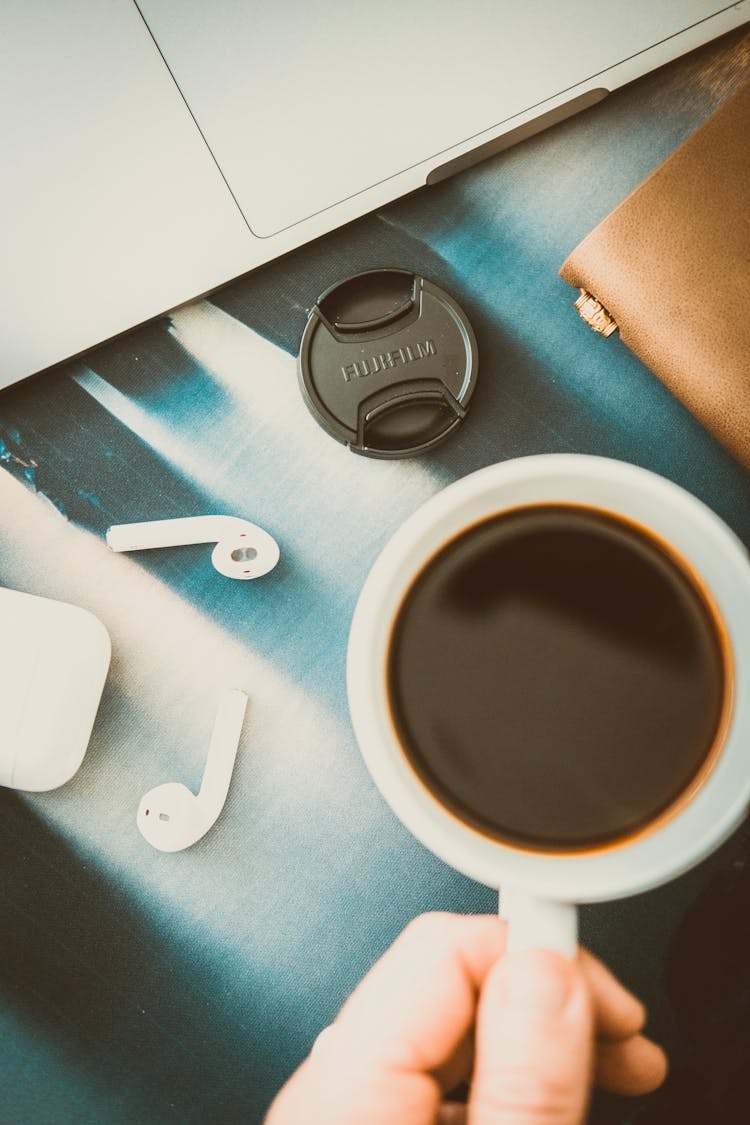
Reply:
x=388 y=363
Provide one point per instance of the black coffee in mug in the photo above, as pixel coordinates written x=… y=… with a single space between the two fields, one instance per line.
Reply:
x=558 y=679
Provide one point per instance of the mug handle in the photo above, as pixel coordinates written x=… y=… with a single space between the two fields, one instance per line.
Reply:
x=538 y=923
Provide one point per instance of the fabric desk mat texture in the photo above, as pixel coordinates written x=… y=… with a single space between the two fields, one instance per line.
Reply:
x=141 y=986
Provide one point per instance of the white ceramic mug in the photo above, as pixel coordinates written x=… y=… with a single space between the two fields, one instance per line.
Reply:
x=539 y=890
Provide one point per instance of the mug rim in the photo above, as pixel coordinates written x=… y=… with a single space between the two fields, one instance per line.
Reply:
x=695 y=533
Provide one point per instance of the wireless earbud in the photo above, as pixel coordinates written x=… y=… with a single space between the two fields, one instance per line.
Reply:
x=172 y=818
x=243 y=550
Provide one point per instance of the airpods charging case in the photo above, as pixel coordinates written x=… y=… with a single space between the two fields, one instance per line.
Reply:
x=54 y=659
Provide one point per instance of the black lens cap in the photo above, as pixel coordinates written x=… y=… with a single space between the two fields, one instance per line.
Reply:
x=388 y=363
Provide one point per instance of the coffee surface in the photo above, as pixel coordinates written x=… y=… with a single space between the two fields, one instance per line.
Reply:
x=555 y=678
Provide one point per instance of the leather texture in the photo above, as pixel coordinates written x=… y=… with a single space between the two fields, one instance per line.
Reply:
x=671 y=264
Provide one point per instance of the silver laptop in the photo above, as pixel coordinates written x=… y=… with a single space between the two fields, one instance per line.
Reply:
x=153 y=151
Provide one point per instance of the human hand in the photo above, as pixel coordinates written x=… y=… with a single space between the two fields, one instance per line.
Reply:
x=446 y=1004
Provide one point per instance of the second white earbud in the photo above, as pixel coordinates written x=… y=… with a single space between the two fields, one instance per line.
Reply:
x=172 y=818
x=243 y=550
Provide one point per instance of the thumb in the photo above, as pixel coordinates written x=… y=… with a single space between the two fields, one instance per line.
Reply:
x=534 y=1043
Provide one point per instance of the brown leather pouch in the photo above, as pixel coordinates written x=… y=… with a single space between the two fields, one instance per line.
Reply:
x=670 y=267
